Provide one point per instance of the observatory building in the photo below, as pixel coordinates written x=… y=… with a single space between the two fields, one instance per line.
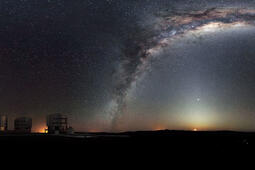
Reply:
x=3 y=123
x=23 y=124
x=57 y=123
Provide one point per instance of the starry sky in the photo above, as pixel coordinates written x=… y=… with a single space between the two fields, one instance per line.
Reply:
x=114 y=65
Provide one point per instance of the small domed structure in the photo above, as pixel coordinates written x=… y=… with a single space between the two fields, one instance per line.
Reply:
x=3 y=123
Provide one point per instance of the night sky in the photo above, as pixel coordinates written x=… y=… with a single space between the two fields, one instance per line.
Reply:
x=115 y=65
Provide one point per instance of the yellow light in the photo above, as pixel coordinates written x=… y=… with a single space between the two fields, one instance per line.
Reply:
x=195 y=129
x=42 y=130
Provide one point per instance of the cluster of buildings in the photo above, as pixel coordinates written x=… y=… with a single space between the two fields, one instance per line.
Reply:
x=57 y=124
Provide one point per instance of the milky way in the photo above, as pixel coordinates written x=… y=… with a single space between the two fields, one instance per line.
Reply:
x=168 y=25
x=114 y=64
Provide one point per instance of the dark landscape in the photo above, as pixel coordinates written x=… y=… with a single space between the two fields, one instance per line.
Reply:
x=136 y=139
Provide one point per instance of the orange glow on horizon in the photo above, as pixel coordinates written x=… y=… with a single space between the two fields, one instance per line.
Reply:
x=159 y=128
x=41 y=129
x=93 y=130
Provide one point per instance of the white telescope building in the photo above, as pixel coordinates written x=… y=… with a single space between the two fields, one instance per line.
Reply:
x=57 y=123
x=23 y=124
